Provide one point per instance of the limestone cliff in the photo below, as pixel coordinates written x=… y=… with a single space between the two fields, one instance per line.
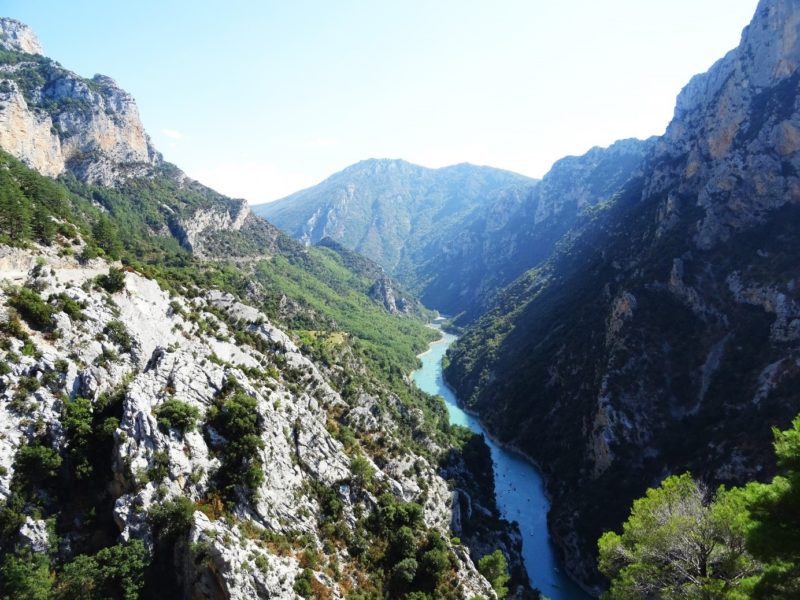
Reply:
x=146 y=349
x=57 y=121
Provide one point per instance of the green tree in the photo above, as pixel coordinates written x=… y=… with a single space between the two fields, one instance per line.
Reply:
x=26 y=574
x=362 y=472
x=15 y=214
x=116 y=572
x=113 y=282
x=775 y=511
x=678 y=544
x=76 y=418
x=494 y=567
x=107 y=237
x=43 y=226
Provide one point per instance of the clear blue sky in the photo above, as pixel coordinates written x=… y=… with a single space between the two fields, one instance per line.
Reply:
x=259 y=99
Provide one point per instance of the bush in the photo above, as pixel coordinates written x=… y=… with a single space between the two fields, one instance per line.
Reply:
x=26 y=575
x=236 y=419
x=494 y=567
x=174 y=414
x=172 y=518
x=113 y=282
x=36 y=463
x=118 y=333
x=404 y=572
x=116 y=572
x=36 y=312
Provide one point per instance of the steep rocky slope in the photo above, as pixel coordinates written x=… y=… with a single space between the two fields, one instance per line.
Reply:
x=664 y=334
x=56 y=121
x=192 y=404
x=494 y=246
x=137 y=350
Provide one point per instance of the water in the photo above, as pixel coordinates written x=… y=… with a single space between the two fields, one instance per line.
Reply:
x=519 y=487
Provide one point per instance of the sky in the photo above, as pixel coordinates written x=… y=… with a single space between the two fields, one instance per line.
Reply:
x=260 y=99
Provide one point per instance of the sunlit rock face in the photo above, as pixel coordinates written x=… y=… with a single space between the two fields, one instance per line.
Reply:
x=56 y=121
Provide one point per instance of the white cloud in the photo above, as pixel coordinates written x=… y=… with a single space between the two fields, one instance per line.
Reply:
x=257 y=182
x=172 y=134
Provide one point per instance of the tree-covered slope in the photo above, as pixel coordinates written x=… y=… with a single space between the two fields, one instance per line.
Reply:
x=663 y=334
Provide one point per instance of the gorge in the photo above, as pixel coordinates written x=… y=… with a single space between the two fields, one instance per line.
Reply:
x=204 y=399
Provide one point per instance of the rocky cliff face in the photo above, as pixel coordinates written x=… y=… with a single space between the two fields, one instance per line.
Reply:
x=662 y=336
x=18 y=37
x=145 y=348
x=57 y=121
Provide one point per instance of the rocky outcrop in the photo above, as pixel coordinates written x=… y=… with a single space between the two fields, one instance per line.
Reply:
x=192 y=230
x=57 y=121
x=18 y=37
x=383 y=291
x=180 y=349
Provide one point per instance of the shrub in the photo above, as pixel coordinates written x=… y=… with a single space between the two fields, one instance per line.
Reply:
x=172 y=518
x=404 y=572
x=71 y=307
x=30 y=305
x=494 y=567
x=116 y=572
x=113 y=282
x=118 y=333
x=174 y=414
x=36 y=463
x=26 y=575
x=236 y=419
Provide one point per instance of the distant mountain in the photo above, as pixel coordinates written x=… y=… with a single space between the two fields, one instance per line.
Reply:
x=455 y=235
x=663 y=334
x=396 y=213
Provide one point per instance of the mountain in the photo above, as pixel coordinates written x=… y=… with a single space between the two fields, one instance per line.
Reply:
x=192 y=404
x=455 y=235
x=394 y=212
x=663 y=334
x=491 y=247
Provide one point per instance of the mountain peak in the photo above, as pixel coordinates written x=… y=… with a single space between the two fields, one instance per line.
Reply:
x=18 y=37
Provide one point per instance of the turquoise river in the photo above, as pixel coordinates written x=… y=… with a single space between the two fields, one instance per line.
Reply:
x=519 y=487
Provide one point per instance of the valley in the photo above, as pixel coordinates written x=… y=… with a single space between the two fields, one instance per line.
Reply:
x=201 y=398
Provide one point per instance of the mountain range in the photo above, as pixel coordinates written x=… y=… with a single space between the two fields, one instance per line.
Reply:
x=232 y=393
x=635 y=312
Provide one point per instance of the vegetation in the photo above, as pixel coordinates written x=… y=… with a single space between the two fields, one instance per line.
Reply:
x=32 y=307
x=682 y=542
x=234 y=416
x=174 y=414
x=493 y=566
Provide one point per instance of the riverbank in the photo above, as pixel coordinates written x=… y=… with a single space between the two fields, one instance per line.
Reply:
x=520 y=491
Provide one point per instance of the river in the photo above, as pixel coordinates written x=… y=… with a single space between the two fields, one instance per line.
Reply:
x=519 y=487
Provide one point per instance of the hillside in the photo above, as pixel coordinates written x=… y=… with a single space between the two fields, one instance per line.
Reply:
x=193 y=404
x=662 y=335
x=455 y=235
